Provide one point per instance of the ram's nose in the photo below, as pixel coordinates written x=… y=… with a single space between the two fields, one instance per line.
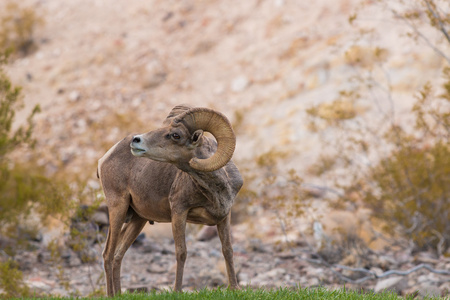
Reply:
x=136 y=139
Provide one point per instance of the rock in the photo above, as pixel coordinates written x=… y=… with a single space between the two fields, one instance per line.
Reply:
x=100 y=218
x=426 y=257
x=151 y=247
x=154 y=74
x=212 y=277
x=275 y=272
x=156 y=269
x=257 y=245
x=207 y=233
x=138 y=289
x=39 y=284
x=268 y=277
x=139 y=241
x=396 y=284
x=88 y=255
x=92 y=184
x=201 y=253
x=314 y=281
x=60 y=292
x=25 y=261
x=445 y=288
x=429 y=290
x=74 y=96
x=73 y=260
x=243 y=278
x=219 y=90
x=322 y=274
x=136 y=102
x=215 y=253
x=239 y=84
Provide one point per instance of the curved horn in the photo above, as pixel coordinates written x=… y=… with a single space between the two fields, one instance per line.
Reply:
x=218 y=125
x=177 y=110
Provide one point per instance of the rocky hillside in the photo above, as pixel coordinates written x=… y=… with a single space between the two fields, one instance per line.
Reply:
x=105 y=69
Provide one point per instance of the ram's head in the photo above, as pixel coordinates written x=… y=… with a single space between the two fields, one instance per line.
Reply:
x=183 y=134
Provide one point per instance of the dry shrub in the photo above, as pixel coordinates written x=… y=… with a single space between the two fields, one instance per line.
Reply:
x=23 y=186
x=401 y=172
x=28 y=197
x=17 y=28
x=275 y=189
x=365 y=57
x=412 y=185
x=11 y=281
x=409 y=187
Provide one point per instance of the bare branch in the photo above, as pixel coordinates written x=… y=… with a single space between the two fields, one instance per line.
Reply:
x=439 y=20
x=283 y=229
x=422 y=36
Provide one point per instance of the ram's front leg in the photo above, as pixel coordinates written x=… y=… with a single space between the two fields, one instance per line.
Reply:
x=179 y=236
x=224 y=230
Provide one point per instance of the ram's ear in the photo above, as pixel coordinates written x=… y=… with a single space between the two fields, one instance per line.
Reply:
x=196 y=138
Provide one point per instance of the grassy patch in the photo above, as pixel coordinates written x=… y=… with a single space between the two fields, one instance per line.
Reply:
x=272 y=294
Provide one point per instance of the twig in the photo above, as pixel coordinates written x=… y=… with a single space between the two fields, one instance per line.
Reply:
x=321 y=260
x=90 y=278
x=283 y=229
x=322 y=188
x=438 y=18
x=420 y=34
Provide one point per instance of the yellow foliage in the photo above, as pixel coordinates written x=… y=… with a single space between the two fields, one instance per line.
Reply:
x=365 y=57
x=11 y=281
x=337 y=110
x=17 y=28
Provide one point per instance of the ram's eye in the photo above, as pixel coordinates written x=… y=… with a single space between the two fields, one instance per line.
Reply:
x=175 y=136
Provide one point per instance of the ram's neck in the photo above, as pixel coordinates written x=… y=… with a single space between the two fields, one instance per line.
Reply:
x=216 y=186
x=219 y=187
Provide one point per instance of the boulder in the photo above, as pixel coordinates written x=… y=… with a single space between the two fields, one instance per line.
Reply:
x=396 y=283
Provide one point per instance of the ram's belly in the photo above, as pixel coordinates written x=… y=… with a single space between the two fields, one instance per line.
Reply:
x=158 y=211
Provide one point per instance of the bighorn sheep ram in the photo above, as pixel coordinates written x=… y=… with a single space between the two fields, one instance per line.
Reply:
x=172 y=174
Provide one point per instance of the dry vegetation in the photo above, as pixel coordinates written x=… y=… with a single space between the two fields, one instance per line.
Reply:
x=17 y=28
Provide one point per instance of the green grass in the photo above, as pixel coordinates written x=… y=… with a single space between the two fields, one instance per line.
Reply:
x=253 y=294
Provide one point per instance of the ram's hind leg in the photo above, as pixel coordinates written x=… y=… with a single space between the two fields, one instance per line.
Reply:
x=117 y=209
x=128 y=235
